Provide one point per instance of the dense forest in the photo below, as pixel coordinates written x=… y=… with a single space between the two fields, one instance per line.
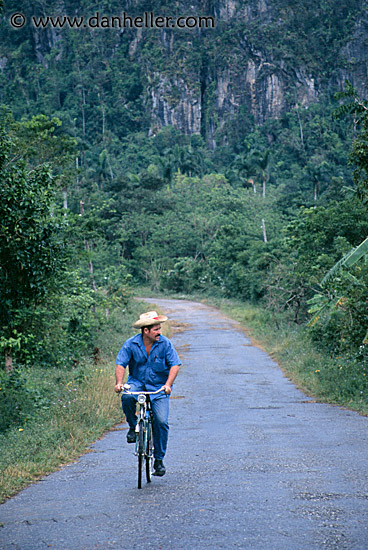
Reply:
x=228 y=161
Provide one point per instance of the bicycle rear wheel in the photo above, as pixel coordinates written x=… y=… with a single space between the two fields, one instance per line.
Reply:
x=140 y=453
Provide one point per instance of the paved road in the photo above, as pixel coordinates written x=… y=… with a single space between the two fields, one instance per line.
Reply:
x=252 y=463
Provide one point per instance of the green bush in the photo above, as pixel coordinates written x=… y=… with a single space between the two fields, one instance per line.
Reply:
x=18 y=400
x=187 y=275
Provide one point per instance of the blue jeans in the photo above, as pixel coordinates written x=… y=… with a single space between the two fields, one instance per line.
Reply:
x=160 y=409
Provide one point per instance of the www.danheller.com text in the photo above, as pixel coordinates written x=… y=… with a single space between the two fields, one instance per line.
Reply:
x=97 y=21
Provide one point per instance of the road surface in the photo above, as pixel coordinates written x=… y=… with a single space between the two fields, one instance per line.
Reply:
x=252 y=463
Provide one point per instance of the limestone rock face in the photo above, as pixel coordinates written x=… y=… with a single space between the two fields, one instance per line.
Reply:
x=209 y=98
x=355 y=54
x=258 y=85
x=174 y=103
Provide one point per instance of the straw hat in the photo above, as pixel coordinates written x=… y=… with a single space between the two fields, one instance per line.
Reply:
x=148 y=319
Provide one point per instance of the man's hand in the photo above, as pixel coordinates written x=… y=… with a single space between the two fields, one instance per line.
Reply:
x=118 y=388
x=167 y=389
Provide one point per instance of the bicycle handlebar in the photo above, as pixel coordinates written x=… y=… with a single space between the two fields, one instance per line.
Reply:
x=126 y=390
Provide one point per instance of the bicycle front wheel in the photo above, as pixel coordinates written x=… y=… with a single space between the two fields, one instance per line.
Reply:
x=149 y=452
x=140 y=453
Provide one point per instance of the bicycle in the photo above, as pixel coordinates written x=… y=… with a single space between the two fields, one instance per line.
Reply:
x=143 y=432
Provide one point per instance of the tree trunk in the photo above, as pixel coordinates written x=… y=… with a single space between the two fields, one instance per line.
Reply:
x=301 y=131
x=77 y=167
x=316 y=190
x=83 y=113
x=264 y=230
x=90 y=267
x=65 y=199
x=90 y=264
x=251 y=181
x=110 y=167
x=83 y=98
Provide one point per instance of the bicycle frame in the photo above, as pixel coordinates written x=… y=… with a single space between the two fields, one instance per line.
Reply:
x=144 y=432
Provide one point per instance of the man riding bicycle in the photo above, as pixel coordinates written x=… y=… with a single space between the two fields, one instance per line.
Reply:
x=153 y=363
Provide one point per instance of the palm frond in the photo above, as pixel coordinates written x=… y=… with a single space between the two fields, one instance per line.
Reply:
x=351 y=258
x=357 y=253
x=320 y=305
x=365 y=340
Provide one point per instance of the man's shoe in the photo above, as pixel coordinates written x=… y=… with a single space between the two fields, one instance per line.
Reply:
x=131 y=435
x=159 y=468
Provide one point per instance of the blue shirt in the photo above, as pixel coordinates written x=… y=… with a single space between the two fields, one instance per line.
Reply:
x=152 y=371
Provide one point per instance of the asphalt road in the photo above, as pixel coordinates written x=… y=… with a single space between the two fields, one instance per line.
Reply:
x=252 y=463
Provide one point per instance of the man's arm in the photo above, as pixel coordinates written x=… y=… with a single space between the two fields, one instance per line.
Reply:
x=119 y=377
x=170 y=380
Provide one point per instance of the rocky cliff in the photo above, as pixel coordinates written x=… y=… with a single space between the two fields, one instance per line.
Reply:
x=250 y=62
x=262 y=58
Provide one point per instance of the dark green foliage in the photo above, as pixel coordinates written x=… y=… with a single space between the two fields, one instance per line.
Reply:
x=32 y=249
x=19 y=401
x=49 y=312
x=357 y=107
x=340 y=320
x=311 y=31
x=312 y=243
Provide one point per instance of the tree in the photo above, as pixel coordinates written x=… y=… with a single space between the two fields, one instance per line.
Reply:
x=359 y=151
x=38 y=142
x=325 y=303
x=244 y=170
x=261 y=161
x=31 y=242
x=316 y=173
x=312 y=243
x=343 y=288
